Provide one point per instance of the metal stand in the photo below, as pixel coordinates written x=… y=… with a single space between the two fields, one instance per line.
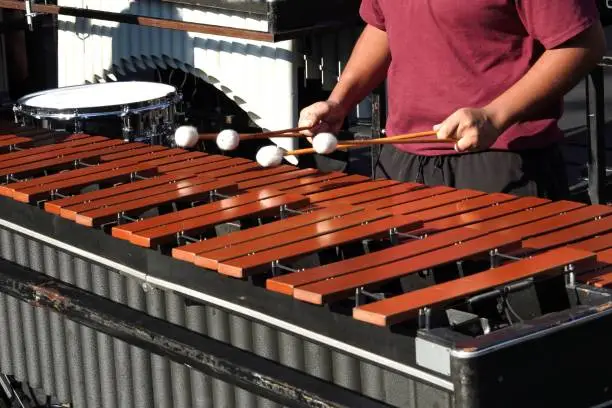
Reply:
x=596 y=130
x=379 y=115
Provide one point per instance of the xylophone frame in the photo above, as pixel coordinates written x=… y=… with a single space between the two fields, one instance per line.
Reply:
x=445 y=365
x=449 y=357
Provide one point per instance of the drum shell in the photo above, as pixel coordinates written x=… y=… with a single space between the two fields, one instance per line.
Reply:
x=152 y=120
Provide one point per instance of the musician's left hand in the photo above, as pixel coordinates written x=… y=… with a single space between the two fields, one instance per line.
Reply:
x=473 y=129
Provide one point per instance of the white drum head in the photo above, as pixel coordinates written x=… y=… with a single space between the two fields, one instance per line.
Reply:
x=97 y=95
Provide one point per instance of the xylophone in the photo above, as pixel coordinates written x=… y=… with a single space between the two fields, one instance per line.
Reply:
x=395 y=294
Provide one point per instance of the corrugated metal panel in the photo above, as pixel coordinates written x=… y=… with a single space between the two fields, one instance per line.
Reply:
x=260 y=77
x=90 y=369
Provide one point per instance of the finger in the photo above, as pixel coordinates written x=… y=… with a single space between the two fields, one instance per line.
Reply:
x=468 y=141
x=448 y=128
x=312 y=116
x=306 y=121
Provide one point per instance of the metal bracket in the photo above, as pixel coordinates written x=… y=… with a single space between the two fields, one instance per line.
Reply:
x=361 y=294
x=276 y=267
x=495 y=257
x=395 y=235
x=29 y=14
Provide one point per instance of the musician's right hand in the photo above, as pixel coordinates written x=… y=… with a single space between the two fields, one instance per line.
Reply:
x=325 y=116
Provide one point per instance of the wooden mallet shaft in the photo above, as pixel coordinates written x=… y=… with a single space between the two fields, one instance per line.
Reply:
x=293 y=132
x=408 y=138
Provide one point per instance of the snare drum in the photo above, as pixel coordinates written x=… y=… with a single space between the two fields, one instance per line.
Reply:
x=137 y=111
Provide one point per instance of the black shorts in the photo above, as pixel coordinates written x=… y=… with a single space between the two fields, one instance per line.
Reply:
x=540 y=173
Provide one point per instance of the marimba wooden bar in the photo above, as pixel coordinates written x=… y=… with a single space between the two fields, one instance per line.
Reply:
x=305 y=238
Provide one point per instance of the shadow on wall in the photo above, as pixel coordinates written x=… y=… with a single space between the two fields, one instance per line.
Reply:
x=167 y=56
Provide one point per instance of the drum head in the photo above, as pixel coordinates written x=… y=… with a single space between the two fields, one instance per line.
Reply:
x=111 y=98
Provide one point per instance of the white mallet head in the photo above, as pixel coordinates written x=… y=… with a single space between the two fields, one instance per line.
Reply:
x=270 y=156
x=324 y=143
x=228 y=139
x=186 y=136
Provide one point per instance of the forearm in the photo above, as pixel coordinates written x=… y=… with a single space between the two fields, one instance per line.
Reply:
x=366 y=69
x=555 y=73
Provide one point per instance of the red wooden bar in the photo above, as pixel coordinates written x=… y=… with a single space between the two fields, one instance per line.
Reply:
x=206 y=160
x=339 y=194
x=137 y=148
x=316 y=181
x=385 y=192
x=472 y=203
x=273 y=178
x=595 y=244
x=197 y=192
x=74 y=147
x=601 y=276
x=40 y=138
x=164 y=234
x=522 y=218
x=139 y=189
x=40 y=151
x=236 y=169
x=29 y=138
x=286 y=283
x=410 y=196
x=126 y=231
x=62 y=162
x=212 y=259
x=7 y=190
x=324 y=185
x=244 y=266
x=56 y=206
x=432 y=202
x=404 y=307
x=343 y=286
x=550 y=224
x=72 y=211
x=218 y=169
x=568 y=235
x=494 y=212
x=190 y=251
x=122 y=174
x=15 y=141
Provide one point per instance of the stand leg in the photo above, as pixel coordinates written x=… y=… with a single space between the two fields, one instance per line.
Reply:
x=596 y=142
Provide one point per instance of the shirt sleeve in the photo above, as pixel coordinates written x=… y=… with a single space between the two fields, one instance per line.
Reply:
x=372 y=14
x=553 y=22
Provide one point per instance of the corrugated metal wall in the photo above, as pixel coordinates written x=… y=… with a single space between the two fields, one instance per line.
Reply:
x=260 y=77
x=90 y=369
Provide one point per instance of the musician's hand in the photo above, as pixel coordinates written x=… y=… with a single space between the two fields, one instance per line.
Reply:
x=473 y=129
x=324 y=116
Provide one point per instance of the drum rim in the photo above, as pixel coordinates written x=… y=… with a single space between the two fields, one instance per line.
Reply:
x=119 y=110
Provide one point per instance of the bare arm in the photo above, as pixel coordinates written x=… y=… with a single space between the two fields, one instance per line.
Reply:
x=366 y=69
x=556 y=72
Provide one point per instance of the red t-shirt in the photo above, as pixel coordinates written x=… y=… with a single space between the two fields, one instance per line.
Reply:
x=450 y=54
